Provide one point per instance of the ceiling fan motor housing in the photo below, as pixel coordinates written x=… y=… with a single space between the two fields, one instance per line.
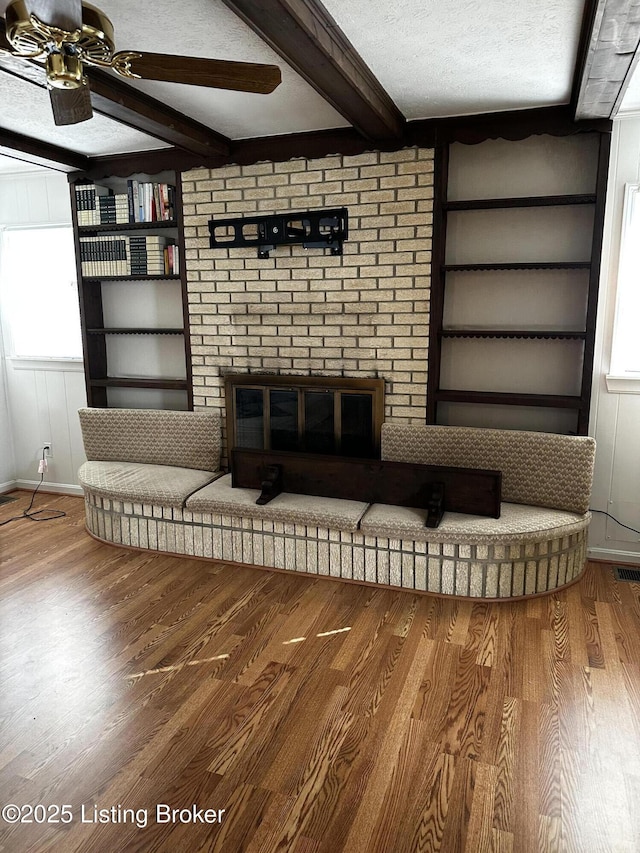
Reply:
x=78 y=34
x=31 y=36
x=64 y=70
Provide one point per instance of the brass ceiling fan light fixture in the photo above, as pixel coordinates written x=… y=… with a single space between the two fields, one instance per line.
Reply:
x=69 y=34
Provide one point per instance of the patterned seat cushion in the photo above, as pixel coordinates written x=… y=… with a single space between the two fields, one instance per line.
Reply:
x=221 y=497
x=517 y=522
x=538 y=468
x=163 y=485
x=153 y=437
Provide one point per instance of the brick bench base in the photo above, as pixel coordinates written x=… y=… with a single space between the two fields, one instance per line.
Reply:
x=487 y=571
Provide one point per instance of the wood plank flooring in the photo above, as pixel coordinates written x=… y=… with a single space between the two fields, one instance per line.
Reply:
x=321 y=716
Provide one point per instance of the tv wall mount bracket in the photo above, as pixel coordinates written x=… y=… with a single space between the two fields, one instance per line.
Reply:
x=313 y=229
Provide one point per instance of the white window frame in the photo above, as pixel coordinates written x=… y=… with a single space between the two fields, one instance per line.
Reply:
x=622 y=379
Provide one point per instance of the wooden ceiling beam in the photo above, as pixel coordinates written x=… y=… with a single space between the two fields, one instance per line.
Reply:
x=309 y=40
x=117 y=100
x=426 y=133
x=31 y=150
x=607 y=58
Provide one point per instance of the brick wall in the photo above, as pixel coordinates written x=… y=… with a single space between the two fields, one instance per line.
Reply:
x=306 y=312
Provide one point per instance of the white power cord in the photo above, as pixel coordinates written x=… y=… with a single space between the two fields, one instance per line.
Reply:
x=38 y=514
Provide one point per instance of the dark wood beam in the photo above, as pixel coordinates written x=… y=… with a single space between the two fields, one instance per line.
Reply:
x=607 y=58
x=308 y=39
x=512 y=125
x=588 y=18
x=428 y=133
x=40 y=153
x=117 y=100
x=310 y=145
x=150 y=162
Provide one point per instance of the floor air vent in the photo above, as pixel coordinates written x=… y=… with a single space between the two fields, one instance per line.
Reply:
x=5 y=499
x=625 y=574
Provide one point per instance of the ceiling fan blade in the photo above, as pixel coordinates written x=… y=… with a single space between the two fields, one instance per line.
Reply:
x=64 y=14
x=71 y=106
x=217 y=73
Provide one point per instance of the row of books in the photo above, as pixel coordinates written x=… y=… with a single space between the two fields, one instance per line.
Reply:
x=122 y=255
x=144 y=201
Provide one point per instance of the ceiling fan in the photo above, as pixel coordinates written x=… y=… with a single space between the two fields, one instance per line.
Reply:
x=69 y=34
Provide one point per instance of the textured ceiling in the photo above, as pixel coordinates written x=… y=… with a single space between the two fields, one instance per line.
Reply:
x=434 y=59
x=25 y=109
x=209 y=29
x=445 y=58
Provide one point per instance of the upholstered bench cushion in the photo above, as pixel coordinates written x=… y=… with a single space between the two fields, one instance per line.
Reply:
x=163 y=485
x=221 y=497
x=538 y=468
x=152 y=437
x=517 y=522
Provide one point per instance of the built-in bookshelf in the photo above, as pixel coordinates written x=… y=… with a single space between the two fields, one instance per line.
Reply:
x=143 y=201
x=132 y=290
x=118 y=255
x=516 y=261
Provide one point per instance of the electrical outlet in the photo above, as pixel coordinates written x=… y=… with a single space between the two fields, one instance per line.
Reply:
x=48 y=449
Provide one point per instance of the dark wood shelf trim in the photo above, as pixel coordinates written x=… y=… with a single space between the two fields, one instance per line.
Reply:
x=121 y=382
x=548 y=401
x=84 y=230
x=529 y=265
x=146 y=331
x=133 y=278
x=513 y=333
x=524 y=201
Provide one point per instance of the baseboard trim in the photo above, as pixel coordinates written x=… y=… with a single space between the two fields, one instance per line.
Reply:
x=54 y=488
x=9 y=486
x=607 y=556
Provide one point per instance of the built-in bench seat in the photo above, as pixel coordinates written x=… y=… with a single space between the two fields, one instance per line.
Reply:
x=220 y=497
x=163 y=485
x=537 y=545
x=149 y=456
x=517 y=522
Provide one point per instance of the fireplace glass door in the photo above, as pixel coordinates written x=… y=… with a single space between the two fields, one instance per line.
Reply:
x=305 y=414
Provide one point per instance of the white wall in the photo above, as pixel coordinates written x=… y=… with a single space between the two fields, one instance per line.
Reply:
x=7 y=462
x=42 y=396
x=615 y=417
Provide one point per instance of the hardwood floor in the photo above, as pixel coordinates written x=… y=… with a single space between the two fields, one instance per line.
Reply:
x=321 y=716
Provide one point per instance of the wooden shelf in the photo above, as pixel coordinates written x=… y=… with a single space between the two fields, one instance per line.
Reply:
x=512 y=265
x=549 y=401
x=525 y=201
x=513 y=333
x=94 y=323
x=583 y=284
x=145 y=331
x=133 y=382
x=133 y=278
x=87 y=230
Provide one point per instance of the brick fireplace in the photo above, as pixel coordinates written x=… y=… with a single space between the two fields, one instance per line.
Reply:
x=305 y=312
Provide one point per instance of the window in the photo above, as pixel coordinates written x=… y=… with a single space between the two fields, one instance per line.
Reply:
x=625 y=356
x=38 y=293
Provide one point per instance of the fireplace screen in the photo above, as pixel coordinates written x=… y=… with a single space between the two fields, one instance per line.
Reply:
x=305 y=414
